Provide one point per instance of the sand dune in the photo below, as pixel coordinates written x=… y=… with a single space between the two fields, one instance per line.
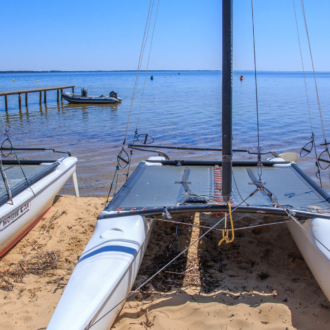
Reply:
x=259 y=281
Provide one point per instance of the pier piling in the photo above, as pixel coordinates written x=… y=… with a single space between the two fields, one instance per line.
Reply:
x=37 y=90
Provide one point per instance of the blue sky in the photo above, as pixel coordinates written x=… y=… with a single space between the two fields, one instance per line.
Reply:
x=107 y=35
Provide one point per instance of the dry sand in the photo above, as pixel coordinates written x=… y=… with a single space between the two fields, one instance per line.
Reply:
x=260 y=281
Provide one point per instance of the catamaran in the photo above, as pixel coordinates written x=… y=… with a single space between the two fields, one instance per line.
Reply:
x=159 y=186
x=27 y=191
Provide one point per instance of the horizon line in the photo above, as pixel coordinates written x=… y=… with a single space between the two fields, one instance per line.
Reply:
x=215 y=70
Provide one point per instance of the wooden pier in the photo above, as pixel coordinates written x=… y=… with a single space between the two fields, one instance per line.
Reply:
x=34 y=90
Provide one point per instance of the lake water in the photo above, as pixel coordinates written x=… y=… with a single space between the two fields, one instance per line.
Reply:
x=177 y=109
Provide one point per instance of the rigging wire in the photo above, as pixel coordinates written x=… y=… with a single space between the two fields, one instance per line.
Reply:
x=259 y=166
x=289 y=213
x=318 y=173
x=19 y=162
x=143 y=45
x=171 y=261
x=316 y=89
x=229 y=229
x=243 y=201
x=5 y=180
x=145 y=78
x=144 y=41
x=237 y=187
x=259 y=188
x=303 y=67
x=310 y=51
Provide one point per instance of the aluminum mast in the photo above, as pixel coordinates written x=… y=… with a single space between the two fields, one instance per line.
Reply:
x=227 y=81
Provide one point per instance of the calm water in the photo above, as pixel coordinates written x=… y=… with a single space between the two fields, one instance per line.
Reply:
x=180 y=109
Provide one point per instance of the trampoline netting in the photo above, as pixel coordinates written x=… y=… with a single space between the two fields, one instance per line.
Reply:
x=16 y=180
x=170 y=185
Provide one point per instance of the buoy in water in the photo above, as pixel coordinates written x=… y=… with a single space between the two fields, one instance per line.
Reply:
x=13 y=80
x=165 y=76
x=241 y=78
x=37 y=80
x=152 y=78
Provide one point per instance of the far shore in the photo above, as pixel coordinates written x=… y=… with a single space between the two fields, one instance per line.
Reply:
x=172 y=70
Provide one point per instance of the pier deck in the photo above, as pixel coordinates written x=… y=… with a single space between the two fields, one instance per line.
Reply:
x=34 y=90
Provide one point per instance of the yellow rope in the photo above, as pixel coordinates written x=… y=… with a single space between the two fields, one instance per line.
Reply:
x=225 y=231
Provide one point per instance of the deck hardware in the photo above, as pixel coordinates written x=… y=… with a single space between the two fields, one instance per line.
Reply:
x=123 y=162
x=166 y=214
x=146 y=138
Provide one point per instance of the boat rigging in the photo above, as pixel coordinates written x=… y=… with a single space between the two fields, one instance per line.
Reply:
x=28 y=189
x=105 y=273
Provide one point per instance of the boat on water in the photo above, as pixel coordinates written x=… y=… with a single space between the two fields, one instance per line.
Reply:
x=160 y=187
x=84 y=98
x=27 y=191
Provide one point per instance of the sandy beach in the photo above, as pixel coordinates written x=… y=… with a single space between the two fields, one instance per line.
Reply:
x=260 y=281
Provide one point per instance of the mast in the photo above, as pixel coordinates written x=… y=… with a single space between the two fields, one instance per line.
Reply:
x=227 y=81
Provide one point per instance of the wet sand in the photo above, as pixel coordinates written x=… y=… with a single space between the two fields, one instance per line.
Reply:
x=260 y=281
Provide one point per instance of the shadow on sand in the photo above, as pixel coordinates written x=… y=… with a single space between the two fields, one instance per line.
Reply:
x=261 y=266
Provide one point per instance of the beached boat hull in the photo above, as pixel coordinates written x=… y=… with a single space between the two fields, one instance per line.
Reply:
x=78 y=99
x=104 y=275
x=316 y=256
x=28 y=207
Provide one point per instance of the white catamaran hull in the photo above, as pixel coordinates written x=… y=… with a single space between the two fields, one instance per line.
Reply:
x=104 y=275
x=316 y=256
x=28 y=207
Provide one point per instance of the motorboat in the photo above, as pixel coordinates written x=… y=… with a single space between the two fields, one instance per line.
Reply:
x=84 y=98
